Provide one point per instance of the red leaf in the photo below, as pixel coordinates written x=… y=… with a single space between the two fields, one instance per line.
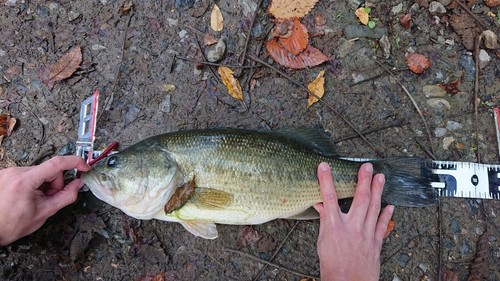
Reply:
x=7 y=124
x=405 y=21
x=307 y=58
x=298 y=39
x=417 y=63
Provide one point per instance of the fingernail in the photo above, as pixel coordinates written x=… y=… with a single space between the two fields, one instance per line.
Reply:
x=391 y=209
x=369 y=167
x=324 y=167
x=381 y=178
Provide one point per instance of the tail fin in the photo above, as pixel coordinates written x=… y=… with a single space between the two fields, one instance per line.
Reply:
x=408 y=181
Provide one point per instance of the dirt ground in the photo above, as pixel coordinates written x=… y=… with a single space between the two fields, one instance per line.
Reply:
x=130 y=58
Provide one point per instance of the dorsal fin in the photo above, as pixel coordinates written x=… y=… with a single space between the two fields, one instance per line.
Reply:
x=314 y=139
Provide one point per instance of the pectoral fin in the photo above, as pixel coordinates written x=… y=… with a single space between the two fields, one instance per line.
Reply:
x=206 y=230
x=308 y=214
x=210 y=198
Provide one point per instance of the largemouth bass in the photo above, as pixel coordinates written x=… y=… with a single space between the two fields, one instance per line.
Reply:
x=233 y=176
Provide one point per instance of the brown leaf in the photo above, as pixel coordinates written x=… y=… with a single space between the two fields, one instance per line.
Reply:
x=233 y=86
x=362 y=15
x=490 y=39
x=66 y=65
x=307 y=58
x=465 y=26
x=126 y=7
x=317 y=86
x=298 y=39
x=7 y=124
x=492 y=3
x=417 y=63
x=248 y=235
x=390 y=228
x=209 y=40
x=216 y=20
x=479 y=268
x=65 y=124
x=284 y=9
x=449 y=275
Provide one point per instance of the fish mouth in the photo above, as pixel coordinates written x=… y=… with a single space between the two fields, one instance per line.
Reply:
x=102 y=190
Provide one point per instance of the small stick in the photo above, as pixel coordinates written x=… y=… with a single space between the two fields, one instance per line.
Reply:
x=477 y=42
x=205 y=59
x=374 y=77
x=245 y=48
x=395 y=123
x=269 y=263
x=215 y=64
x=430 y=154
x=414 y=104
x=380 y=154
x=277 y=250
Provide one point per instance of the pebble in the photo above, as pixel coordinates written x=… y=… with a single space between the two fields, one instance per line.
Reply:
x=484 y=59
x=356 y=78
x=385 y=44
x=436 y=8
x=455 y=226
x=361 y=31
x=424 y=267
x=395 y=277
x=216 y=52
x=433 y=91
x=182 y=34
x=397 y=9
x=257 y=29
x=403 y=260
x=97 y=47
x=445 y=2
x=467 y=63
x=447 y=141
x=464 y=249
x=438 y=103
x=165 y=105
x=248 y=7
x=72 y=15
x=131 y=113
x=440 y=132
x=3 y=53
x=344 y=48
x=453 y=125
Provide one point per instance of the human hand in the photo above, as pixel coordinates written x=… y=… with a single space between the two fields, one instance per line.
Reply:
x=349 y=245
x=30 y=195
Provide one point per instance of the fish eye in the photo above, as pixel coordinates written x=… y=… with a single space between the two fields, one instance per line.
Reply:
x=111 y=162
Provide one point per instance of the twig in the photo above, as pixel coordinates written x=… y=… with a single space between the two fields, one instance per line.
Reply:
x=395 y=123
x=477 y=42
x=245 y=48
x=430 y=154
x=42 y=154
x=269 y=263
x=205 y=60
x=414 y=104
x=374 y=77
x=277 y=250
x=118 y=71
x=380 y=154
x=215 y=64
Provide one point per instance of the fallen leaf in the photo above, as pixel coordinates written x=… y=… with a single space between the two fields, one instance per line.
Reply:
x=65 y=124
x=298 y=39
x=317 y=86
x=307 y=58
x=363 y=15
x=451 y=87
x=405 y=21
x=216 y=20
x=284 y=9
x=248 y=235
x=7 y=123
x=282 y=28
x=126 y=7
x=160 y=276
x=492 y=3
x=65 y=66
x=209 y=40
x=233 y=86
x=417 y=63
x=390 y=228
x=465 y=26
x=449 y=275
x=490 y=39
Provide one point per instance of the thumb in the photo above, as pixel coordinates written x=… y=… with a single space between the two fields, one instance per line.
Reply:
x=61 y=199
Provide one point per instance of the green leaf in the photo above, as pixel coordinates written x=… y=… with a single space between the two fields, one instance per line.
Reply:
x=368 y=10
x=371 y=24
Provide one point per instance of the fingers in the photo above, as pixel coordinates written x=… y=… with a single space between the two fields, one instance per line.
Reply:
x=362 y=194
x=61 y=199
x=383 y=222
x=330 y=200
x=373 y=212
x=51 y=170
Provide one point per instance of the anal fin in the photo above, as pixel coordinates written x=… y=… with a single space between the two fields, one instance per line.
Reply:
x=207 y=230
x=308 y=214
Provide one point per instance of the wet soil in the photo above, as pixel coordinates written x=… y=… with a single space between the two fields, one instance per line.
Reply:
x=130 y=58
